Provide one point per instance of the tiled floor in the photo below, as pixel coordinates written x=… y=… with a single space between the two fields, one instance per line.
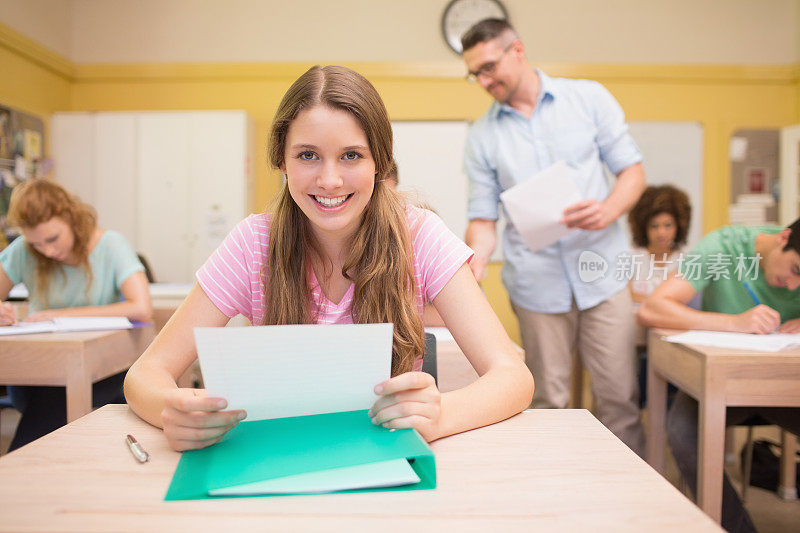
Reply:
x=770 y=513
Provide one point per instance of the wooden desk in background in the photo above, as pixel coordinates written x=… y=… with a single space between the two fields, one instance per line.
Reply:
x=72 y=360
x=542 y=470
x=717 y=378
x=453 y=368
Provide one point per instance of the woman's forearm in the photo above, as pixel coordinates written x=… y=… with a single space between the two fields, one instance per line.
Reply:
x=500 y=393
x=145 y=390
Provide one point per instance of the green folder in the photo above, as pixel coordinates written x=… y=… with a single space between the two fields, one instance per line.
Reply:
x=276 y=448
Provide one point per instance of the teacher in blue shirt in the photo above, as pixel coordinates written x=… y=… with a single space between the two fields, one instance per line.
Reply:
x=534 y=122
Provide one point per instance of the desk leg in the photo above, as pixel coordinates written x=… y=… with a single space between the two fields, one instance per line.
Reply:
x=656 y=411
x=711 y=448
x=79 y=391
x=786 y=488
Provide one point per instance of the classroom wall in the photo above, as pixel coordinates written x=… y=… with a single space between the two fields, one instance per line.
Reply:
x=622 y=31
x=723 y=97
x=47 y=22
x=33 y=78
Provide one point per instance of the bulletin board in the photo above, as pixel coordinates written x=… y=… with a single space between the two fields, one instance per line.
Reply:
x=21 y=156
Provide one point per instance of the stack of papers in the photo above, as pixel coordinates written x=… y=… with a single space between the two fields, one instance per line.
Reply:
x=306 y=390
x=745 y=341
x=61 y=325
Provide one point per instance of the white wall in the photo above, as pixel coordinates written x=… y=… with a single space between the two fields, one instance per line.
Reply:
x=602 y=31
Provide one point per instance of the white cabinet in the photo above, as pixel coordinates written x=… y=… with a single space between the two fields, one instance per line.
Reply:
x=174 y=183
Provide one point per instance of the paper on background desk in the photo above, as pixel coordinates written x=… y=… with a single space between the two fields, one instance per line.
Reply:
x=297 y=370
x=536 y=205
x=66 y=324
x=745 y=341
x=441 y=334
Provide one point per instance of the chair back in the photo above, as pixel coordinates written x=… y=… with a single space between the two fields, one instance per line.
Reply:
x=147 y=270
x=429 y=359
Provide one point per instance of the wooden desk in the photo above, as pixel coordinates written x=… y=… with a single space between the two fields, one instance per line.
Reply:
x=716 y=378
x=74 y=360
x=542 y=470
x=163 y=309
x=453 y=368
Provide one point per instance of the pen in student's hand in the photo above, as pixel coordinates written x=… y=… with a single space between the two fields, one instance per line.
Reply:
x=752 y=294
x=136 y=449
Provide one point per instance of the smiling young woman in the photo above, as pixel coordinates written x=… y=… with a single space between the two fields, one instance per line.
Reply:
x=340 y=246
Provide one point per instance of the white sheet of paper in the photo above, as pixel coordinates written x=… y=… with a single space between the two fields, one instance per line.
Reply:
x=64 y=324
x=298 y=370
x=91 y=323
x=536 y=205
x=24 y=328
x=170 y=290
x=391 y=473
x=441 y=334
x=746 y=341
x=18 y=292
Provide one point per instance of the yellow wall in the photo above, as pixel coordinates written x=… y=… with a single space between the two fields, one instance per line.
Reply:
x=33 y=79
x=722 y=98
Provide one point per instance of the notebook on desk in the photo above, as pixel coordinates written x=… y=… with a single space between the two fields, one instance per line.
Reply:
x=307 y=390
x=772 y=342
x=66 y=324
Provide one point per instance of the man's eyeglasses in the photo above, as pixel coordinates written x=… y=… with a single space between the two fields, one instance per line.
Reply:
x=488 y=68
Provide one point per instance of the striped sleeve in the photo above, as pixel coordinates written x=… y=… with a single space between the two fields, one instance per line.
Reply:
x=225 y=276
x=439 y=253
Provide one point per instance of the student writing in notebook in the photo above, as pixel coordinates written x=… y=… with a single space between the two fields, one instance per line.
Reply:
x=339 y=247
x=70 y=268
x=750 y=280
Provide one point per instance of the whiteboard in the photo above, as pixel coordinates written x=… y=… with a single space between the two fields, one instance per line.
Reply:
x=429 y=159
x=673 y=155
x=430 y=154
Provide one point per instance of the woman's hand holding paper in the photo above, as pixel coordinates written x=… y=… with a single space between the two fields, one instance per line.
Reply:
x=410 y=400
x=191 y=420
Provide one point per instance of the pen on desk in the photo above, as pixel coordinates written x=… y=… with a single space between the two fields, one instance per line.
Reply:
x=752 y=294
x=136 y=449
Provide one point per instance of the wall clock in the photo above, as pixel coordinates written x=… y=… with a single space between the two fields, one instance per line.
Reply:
x=460 y=15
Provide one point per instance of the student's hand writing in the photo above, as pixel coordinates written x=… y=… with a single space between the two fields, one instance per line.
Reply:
x=7 y=315
x=410 y=400
x=790 y=326
x=760 y=319
x=588 y=215
x=191 y=420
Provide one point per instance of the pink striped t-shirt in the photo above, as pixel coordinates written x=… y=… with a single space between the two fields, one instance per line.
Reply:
x=231 y=277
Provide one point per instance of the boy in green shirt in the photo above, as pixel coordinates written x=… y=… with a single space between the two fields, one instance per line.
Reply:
x=723 y=266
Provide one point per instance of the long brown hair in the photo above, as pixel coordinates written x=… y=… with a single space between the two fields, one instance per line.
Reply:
x=36 y=201
x=380 y=262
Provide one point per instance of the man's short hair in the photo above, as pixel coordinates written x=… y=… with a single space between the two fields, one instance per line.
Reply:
x=794 y=237
x=485 y=30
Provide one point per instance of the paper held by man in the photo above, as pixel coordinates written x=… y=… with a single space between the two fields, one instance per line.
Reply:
x=536 y=206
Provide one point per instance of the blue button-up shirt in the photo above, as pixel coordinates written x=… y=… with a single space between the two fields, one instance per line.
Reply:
x=577 y=121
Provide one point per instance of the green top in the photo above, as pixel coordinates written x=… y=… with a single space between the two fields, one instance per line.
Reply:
x=112 y=262
x=721 y=263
